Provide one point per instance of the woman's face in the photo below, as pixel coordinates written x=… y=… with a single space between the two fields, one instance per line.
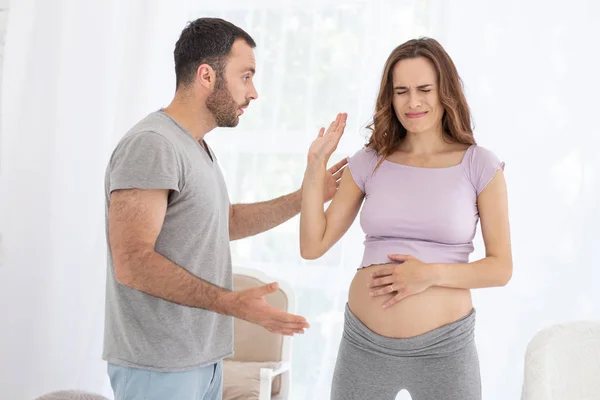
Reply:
x=416 y=98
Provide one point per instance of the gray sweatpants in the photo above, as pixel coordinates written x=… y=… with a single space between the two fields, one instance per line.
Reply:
x=438 y=365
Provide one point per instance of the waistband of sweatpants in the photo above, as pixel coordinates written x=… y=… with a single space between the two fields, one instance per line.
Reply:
x=439 y=342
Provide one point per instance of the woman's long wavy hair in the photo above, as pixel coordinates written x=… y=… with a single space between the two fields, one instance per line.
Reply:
x=388 y=132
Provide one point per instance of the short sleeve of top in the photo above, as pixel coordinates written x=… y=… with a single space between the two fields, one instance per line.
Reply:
x=361 y=166
x=482 y=167
x=145 y=160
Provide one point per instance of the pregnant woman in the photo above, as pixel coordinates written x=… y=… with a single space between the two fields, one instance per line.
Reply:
x=423 y=184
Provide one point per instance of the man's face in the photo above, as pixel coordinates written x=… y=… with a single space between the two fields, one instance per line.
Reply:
x=234 y=88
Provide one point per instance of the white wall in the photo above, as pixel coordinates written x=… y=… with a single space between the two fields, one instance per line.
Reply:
x=3 y=20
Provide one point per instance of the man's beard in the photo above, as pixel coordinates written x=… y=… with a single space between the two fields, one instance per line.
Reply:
x=222 y=106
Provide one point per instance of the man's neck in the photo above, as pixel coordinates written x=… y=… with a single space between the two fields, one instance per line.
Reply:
x=197 y=120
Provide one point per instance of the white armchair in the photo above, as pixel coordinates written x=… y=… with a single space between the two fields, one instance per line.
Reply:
x=260 y=368
x=267 y=375
x=562 y=362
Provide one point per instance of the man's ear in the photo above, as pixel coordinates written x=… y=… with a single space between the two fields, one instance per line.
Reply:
x=206 y=76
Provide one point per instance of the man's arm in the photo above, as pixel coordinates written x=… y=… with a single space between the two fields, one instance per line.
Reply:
x=135 y=219
x=250 y=219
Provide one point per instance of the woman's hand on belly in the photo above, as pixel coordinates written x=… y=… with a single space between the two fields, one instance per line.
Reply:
x=414 y=315
x=406 y=279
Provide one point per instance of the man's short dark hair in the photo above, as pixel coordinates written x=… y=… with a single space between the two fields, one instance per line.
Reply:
x=205 y=41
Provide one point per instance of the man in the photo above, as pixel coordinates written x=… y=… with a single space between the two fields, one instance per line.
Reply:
x=169 y=301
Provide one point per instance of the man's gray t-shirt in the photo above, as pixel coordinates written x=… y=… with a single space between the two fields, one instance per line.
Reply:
x=145 y=331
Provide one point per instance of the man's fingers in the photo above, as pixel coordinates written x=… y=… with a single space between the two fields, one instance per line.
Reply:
x=292 y=324
x=337 y=167
x=338 y=175
x=266 y=289
x=282 y=318
x=286 y=332
x=297 y=327
x=288 y=324
x=293 y=321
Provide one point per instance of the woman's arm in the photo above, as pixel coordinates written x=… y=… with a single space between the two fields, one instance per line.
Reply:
x=496 y=268
x=319 y=229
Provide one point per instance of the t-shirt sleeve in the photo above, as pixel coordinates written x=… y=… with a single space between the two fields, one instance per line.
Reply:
x=484 y=165
x=145 y=160
x=361 y=166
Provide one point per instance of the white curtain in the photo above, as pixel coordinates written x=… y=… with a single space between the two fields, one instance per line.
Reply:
x=76 y=76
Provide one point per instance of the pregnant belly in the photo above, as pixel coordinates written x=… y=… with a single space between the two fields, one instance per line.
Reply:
x=412 y=316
